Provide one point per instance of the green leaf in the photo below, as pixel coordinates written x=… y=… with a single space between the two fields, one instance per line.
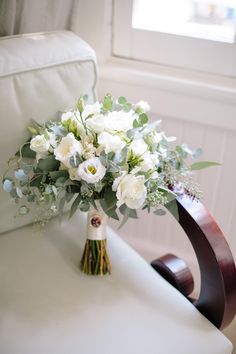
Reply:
x=126 y=213
x=25 y=151
x=61 y=181
x=49 y=164
x=197 y=153
x=136 y=124
x=143 y=119
x=107 y=103
x=36 y=180
x=84 y=205
x=132 y=212
x=108 y=204
x=56 y=174
x=203 y=164
x=75 y=205
x=61 y=206
x=173 y=208
x=159 y=212
x=127 y=107
x=122 y=100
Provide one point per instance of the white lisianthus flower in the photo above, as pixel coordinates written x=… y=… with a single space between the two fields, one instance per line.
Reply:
x=142 y=106
x=91 y=109
x=67 y=148
x=97 y=123
x=138 y=147
x=91 y=170
x=131 y=190
x=111 y=143
x=149 y=162
x=120 y=120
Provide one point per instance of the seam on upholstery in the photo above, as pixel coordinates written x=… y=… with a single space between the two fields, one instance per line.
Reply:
x=49 y=65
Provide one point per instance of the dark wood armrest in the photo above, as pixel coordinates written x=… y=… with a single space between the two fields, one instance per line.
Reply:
x=217 y=299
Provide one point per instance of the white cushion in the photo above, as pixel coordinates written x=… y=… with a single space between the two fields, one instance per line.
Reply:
x=40 y=74
x=48 y=306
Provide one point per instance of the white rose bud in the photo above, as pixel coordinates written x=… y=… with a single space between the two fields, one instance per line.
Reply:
x=39 y=144
x=143 y=106
x=149 y=162
x=91 y=109
x=67 y=148
x=91 y=170
x=132 y=191
x=111 y=143
x=138 y=147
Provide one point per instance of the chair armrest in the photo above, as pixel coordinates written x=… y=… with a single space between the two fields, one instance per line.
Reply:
x=217 y=299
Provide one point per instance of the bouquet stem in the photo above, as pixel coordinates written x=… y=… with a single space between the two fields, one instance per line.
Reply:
x=95 y=259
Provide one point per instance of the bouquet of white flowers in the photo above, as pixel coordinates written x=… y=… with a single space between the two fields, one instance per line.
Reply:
x=104 y=158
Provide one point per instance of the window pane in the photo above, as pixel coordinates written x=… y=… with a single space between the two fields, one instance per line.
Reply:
x=208 y=19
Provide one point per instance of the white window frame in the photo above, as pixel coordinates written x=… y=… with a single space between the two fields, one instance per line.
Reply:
x=170 y=50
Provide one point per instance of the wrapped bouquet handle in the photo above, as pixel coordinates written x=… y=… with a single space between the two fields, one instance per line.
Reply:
x=95 y=259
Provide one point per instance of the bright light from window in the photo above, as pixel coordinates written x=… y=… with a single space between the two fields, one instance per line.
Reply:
x=208 y=19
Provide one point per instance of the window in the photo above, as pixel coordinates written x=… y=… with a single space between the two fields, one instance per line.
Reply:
x=195 y=35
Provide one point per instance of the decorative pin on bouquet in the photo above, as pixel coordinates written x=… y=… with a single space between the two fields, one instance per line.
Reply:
x=105 y=159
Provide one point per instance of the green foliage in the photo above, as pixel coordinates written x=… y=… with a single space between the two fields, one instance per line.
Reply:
x=203 y=164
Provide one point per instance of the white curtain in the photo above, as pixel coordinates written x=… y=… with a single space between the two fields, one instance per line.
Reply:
x=27 y=16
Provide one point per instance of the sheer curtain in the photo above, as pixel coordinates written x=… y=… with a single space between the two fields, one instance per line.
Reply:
x=27 y=16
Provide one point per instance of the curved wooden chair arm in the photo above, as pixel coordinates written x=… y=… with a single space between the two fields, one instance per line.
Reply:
x=217 y=299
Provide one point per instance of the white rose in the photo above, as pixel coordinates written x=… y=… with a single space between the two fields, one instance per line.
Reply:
x=91 y=109
x=110 y=142
x=149 y=162
x=97 y=123
x=143 y=106
x=39 y=144
x=120 y=121
x=138 y=147
x=132 y=191
x=91 y=170
x=67 y=148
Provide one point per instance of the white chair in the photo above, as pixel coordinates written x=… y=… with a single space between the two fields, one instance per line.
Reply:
x=46 y=304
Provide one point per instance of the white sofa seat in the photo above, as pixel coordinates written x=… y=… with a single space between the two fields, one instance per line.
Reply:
x=46 y=304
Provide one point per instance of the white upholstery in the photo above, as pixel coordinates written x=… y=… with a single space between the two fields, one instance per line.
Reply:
x=40 y=74
x=46 y=304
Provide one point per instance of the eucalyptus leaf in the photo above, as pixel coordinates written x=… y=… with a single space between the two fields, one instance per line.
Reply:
x=203 y=164
x=48 y=164
x=173 y=208
x=56 y=174
x=84 y=205
x=132 y=212
x=75 y=205
x=122 y=100
x=159 y=212
x=25 y=151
